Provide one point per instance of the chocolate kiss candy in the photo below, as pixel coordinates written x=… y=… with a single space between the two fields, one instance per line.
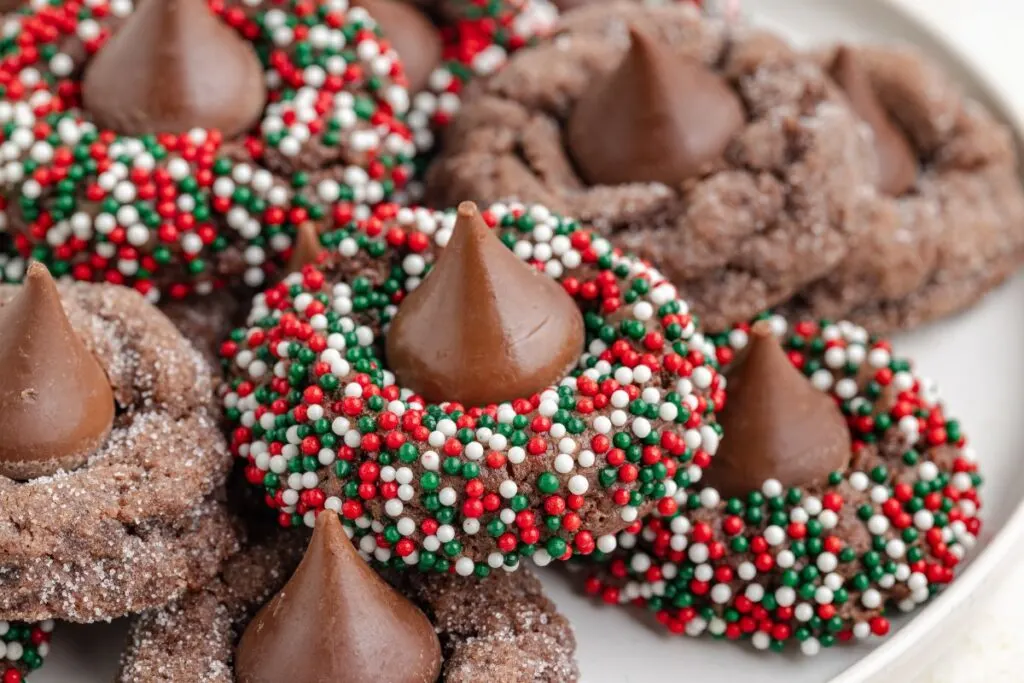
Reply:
x=414 y=37
x=775 y=424
x=336 y=620
x=897 y=162
x=171 y=67
x=566 y=5
x=658 y=117
x=306 y=249
x=56 y=405
x=483 y=327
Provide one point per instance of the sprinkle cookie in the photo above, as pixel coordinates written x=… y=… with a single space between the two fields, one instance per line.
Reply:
x=739 y=194
x=303 y=110
x=846 y=525
x=109 y=459
x=23 y=648
x=445 y=44
x=498 y=628
x=589 y=391
x=944 y=223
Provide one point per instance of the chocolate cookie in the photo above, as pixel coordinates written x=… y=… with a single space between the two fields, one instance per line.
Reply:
x=109 y=461
x=724 y=157
x=849 y=495
x=498 y=628
x=23 y=647
x=466 y=388
x=952 y=226
x=267 y=115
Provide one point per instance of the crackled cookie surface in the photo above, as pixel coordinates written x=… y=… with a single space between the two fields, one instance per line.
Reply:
x=739 y=208
x=843 y=529
x=555 y=446
x=498 y=628
x=954 y=227
x=106 y=479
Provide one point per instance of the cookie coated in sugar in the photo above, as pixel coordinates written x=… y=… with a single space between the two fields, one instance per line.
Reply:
x=137 y=521
x=746 y=229
x=501 y=628
x=956 y=231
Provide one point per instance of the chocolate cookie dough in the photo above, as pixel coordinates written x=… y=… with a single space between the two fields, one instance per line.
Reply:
x=808 y=533
x=501 y=628
x=739 y=208
x=953 y=226
x=108 y=478
x=206 y=321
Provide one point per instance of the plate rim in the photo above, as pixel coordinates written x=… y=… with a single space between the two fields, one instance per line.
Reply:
x=992 y=562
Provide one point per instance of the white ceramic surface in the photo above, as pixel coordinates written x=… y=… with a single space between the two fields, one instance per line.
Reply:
x=975 y=358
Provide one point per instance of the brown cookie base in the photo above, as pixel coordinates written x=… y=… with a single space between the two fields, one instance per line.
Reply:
x=956 y=235
x=133 y=527
x=770 y=218
x=501 y=628
x=136 y=568
x=207 y=321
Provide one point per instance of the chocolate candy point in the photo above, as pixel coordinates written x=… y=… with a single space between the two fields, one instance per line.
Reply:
x=174 y=66
x=658 y=117
x=337 y=620
x=411 y=33
x=307 y=248
x=567 y=5
x=897 y=162
x=56 y=404
x=483 y=327
x=776 y=425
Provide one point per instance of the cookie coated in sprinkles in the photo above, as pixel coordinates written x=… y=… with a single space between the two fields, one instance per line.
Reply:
x=321 y=423
x=23 y=649
x=173 y=215
x=476 y=44
x=815 y=567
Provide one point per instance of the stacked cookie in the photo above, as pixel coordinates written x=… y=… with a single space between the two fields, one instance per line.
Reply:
x=577 y=371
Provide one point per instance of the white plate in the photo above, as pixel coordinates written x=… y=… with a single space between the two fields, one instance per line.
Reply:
x=985 y=394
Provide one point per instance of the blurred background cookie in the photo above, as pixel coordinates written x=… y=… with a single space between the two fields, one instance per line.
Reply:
x=943 y=223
